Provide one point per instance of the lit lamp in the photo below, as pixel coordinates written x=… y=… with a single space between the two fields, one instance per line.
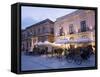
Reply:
x=57 y=34
x=60 y=27
x=76 y=30
x=90 y=27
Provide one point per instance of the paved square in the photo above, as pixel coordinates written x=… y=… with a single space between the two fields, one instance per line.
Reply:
x=43 y=62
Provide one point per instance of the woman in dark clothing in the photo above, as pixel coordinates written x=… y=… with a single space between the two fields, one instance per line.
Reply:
x=46 y=50
x=84 y=53
x=87 y=51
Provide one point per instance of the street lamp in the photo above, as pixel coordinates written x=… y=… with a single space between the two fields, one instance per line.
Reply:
x=65 y=41
x=92 y=37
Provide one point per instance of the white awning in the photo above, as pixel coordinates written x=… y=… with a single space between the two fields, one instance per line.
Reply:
x=40 y=43
x=62 y=41
x=83 y=40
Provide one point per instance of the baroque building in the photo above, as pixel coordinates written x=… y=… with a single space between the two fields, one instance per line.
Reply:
x=78 y=24
x=39 y=32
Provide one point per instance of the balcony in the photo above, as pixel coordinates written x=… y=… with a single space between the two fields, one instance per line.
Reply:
x=71 y=32
x=84 y=30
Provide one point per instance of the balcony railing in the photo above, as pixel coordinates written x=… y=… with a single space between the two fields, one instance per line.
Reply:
x=84 y=30
x=71 y=32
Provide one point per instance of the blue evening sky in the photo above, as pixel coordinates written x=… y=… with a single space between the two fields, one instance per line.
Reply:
x=32 y=15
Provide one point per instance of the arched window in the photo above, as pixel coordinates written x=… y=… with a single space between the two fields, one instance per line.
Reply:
x=61 y=31
x=83 y=26
x=71 y=29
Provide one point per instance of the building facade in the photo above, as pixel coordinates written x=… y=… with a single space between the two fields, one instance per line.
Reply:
x=79 y=24
x=39 y=32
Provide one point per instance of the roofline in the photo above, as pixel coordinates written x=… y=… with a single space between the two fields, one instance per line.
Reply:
x=41 y=22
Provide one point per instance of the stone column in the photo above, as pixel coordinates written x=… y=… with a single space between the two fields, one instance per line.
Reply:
x=32 y=45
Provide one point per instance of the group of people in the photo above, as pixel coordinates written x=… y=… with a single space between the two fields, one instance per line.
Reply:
x=39 y=51
x=84 y=51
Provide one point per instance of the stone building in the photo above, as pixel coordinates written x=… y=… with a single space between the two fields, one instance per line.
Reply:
x=39 y=32
x=79 y=24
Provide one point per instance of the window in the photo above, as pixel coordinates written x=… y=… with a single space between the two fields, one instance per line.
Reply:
x=34 y=31
x=52 y=31
x=61 y=33
x=38 y=30
x=71 y=29
x=43 y=30
x=61 y=30
x=28 y=34
x=30 y=43
x=83 y=26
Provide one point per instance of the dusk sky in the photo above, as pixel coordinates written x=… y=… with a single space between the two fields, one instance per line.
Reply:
x=32 y=15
